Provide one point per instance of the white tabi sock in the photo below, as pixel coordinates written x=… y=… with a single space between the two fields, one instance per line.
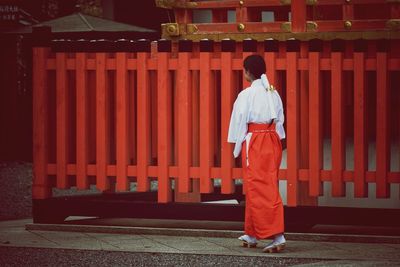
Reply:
x=279 y=239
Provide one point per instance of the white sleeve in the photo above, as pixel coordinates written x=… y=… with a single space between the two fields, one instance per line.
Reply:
x=281 y=118
x=238 y=124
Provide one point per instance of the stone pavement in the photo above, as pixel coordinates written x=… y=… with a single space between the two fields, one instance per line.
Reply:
x=155 y=241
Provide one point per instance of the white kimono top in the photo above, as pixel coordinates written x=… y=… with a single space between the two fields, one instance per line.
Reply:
x=255 y=104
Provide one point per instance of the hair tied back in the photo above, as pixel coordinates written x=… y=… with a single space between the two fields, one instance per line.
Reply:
x=269 y=89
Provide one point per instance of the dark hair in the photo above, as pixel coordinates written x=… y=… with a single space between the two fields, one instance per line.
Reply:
x=255 y=64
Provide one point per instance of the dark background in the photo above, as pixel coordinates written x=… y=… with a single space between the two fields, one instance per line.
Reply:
x=15 y=57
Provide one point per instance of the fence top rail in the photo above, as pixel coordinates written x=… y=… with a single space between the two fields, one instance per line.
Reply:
x=207 y=45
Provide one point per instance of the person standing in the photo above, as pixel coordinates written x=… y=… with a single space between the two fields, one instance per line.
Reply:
x=256 y=128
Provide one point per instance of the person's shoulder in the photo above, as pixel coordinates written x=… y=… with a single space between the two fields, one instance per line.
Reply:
x=276 y=96
x=245 y=92
x=276 y=93
x=243 y=96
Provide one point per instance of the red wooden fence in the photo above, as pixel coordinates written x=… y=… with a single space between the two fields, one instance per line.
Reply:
x=121 y=116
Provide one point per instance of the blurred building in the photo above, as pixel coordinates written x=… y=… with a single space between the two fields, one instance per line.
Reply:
x=69 y=19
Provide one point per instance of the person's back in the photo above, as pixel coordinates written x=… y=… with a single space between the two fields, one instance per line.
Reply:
x=259 y=111
x=253 y=105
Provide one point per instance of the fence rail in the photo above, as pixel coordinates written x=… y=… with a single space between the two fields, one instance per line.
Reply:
x=161 y=113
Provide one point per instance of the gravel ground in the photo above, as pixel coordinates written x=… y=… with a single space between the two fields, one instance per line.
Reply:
x=10 y=256
x=15 y=190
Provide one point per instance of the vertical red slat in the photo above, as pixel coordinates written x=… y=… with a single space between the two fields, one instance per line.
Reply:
x=227 y=99
x=382 y=138
x=292 y=127
x=305 y=197
x=184 y=118
x=164 y=127
x=304 y=120
x=206 y=123
x=61 y=120
x=122 y=121
x=337 y=124
x=360 y=131
x=176 y=128
x=270 y=61
x=40 y=187
x=195 y=130
x=132 y=117
x=91 y=87
x=315 y=124
x=81 y=122
x=395 y=94
x=298 y=10
x=143 y=121
x=153 y=119
x=348 y=94
x=101 y=123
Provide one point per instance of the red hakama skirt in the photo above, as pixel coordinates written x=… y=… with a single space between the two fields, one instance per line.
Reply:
x=264 y=208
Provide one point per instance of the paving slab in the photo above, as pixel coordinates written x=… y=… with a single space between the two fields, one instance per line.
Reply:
x=205 y=229
x=14 y=235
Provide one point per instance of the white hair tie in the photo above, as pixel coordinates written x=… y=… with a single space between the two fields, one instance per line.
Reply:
x=270 y=100
x=265 y=81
